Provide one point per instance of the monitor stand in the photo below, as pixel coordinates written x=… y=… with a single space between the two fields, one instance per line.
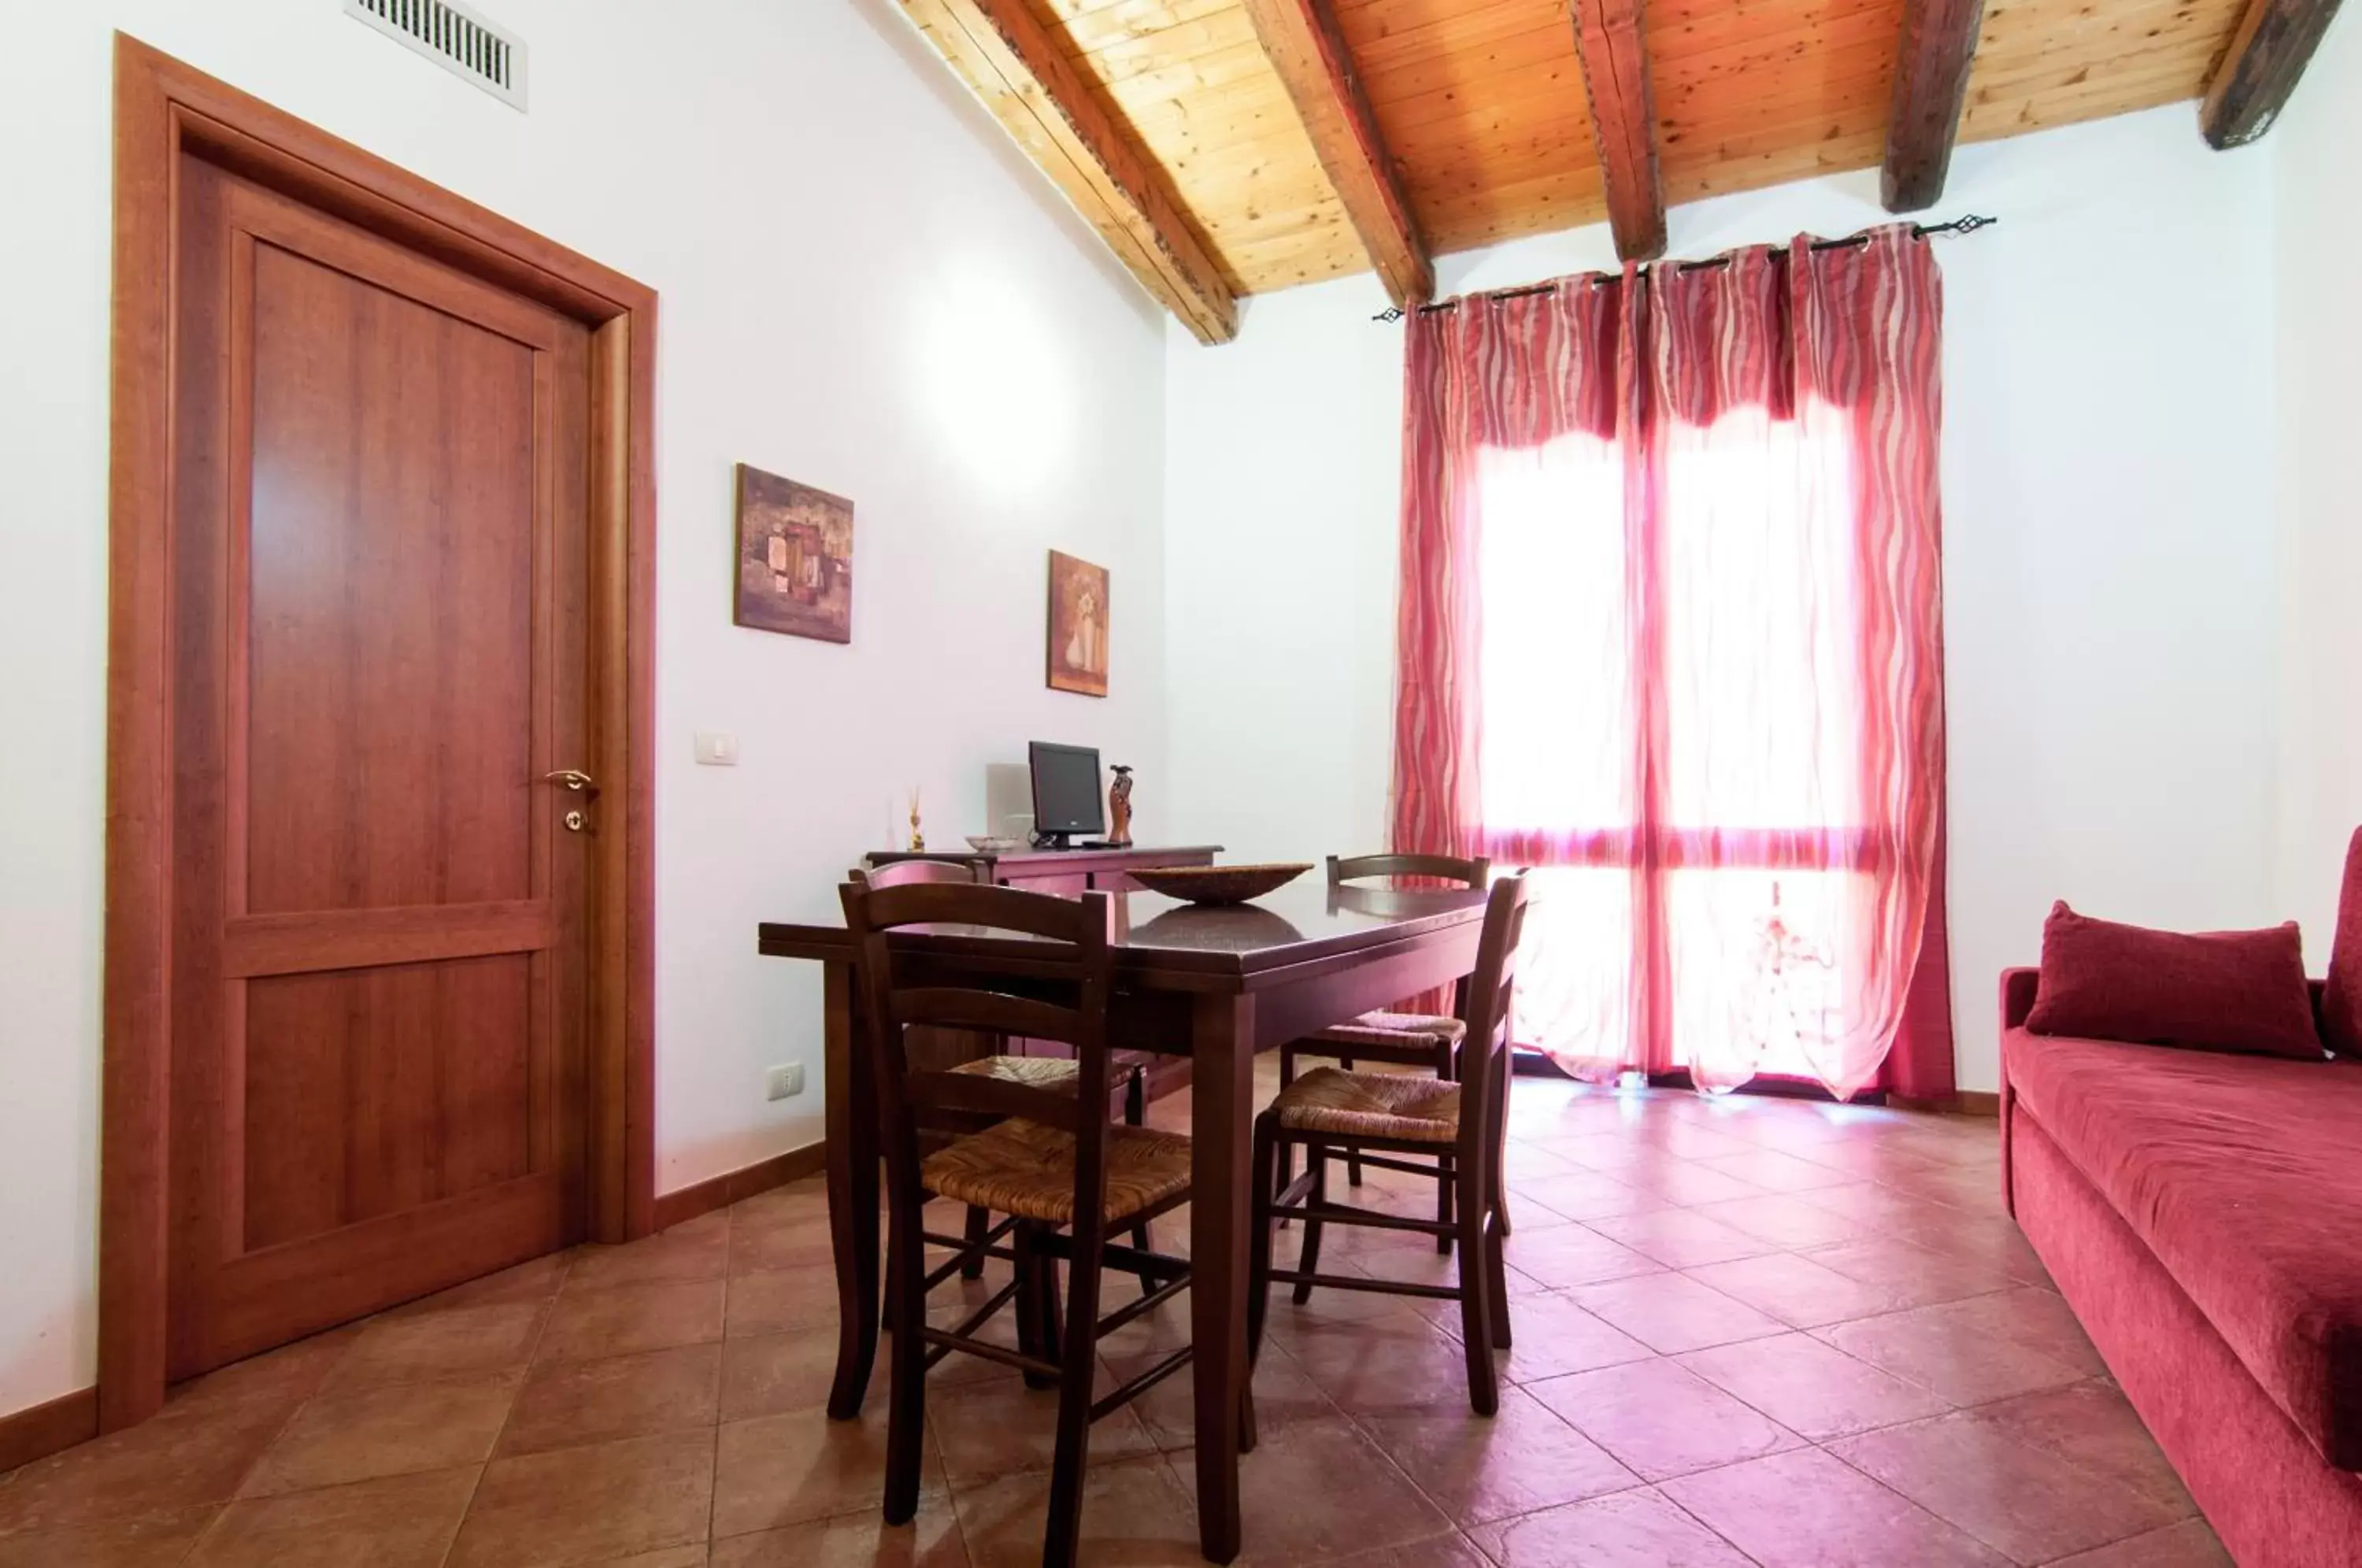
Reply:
x=1054 y=841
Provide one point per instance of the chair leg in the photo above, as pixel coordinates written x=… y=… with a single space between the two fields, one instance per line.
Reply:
x=1051 y=1326
x=1268 y=1148
x=1287 y=1170
x=906 y=1421
x=1037 y=1307
x=1500 y=1151
x=1444 y=1185
x=1065 y=1533
x=1497 y=1276
x=1316 y=1159
x=1135 y=1114
x=980 y=1222
x=1029 y=1319
x=1142 y=1240
x=1476 y=1311
x=1499 y=1230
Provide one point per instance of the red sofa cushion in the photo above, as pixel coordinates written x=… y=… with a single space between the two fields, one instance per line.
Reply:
x=2341 y=998
x=2225 y=990
x=2244 y=1176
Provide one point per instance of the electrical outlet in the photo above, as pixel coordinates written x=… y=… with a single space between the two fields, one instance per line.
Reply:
x=783 y=1083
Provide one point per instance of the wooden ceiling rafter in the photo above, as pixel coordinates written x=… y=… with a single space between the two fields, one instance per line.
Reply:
x=1035 y=91
x=1614 y=52
x=2268 y=55
x=1937 y=51
x=1315 y=67
x=1473 y=107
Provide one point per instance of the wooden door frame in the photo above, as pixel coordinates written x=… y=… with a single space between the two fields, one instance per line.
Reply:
x=162 y=110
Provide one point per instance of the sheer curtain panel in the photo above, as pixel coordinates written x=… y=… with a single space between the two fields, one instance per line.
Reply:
x=1670 y=631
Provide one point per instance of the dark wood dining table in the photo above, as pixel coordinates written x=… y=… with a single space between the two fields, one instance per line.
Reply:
x=1215 y=985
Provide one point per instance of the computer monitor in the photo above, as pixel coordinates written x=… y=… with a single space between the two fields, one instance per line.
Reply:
x=1065 y=793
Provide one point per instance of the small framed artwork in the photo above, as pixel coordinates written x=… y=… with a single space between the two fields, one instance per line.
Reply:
x=1078 y=626
x=795 y=558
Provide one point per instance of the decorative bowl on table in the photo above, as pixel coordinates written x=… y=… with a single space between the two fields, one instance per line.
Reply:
x=1217 y=884
x=989 y=843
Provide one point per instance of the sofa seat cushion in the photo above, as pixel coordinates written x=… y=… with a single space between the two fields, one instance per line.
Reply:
x=2244 y=1176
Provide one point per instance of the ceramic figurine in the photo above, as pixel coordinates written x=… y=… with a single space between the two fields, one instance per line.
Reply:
x=918 y=839
x=1119 y=809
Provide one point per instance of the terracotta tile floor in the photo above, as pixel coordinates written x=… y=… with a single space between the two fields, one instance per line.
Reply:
x=1749 y=1331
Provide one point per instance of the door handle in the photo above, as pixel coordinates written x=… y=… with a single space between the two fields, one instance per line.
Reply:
x=574 y=779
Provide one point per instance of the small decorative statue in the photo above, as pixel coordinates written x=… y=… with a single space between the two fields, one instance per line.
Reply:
x=918 y=839
x=1120 y=808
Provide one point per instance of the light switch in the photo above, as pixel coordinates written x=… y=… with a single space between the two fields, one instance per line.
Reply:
x=716 y=749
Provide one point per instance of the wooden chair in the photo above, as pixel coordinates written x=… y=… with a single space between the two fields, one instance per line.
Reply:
x=1129 y=1068
x=1391 y=1119
x=1050 y=1160
x=1405 y=1039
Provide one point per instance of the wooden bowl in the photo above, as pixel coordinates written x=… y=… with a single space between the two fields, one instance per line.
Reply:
x=1217 y=884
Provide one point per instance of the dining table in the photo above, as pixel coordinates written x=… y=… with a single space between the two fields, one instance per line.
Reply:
x=1214 y=984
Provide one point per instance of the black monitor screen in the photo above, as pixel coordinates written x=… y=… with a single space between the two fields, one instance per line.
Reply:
x=1066 y=789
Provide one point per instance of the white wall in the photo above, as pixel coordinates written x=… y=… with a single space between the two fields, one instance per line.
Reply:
x=863 y=286
x=1285 y=452
x=2110 y=580
x=2318 y=236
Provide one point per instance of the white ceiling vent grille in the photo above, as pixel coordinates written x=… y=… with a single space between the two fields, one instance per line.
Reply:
x=454 y=37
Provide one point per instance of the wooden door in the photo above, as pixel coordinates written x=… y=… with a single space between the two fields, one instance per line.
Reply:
x=377 y=652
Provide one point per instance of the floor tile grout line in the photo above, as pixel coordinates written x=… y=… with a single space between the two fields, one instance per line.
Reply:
x=1992 y=1546
x=221 y=1510
x=1703 y=1524
x=531 y=1354
x=2034 y=1439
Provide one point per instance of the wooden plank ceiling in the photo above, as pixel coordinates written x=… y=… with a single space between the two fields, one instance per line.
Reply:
x=1480 y=104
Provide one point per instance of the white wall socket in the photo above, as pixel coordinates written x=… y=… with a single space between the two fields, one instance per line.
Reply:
x=782 y=1083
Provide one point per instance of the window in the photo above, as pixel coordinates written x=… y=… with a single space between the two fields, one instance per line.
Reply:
x=1673 y=697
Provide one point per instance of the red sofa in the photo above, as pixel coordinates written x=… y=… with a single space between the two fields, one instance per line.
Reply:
x=2202 y=1212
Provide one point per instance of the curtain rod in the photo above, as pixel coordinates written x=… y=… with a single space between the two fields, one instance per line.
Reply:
x=1966 y=223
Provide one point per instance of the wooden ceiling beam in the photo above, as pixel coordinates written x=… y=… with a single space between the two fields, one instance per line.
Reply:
x=1938 y=44
x=2269 y=52
x=1308 y=51
x=1615 y=54
x=1025 y=78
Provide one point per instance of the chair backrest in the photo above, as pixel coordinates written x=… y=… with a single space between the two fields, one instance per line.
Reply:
x=1443 y=868
x=910 y=873
x=1484 y=1055
x=1067 y=977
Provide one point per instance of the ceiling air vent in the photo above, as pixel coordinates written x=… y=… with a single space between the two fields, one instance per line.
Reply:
x=455 y=38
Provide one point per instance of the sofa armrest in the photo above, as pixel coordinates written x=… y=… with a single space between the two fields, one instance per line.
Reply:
x=2017 y=992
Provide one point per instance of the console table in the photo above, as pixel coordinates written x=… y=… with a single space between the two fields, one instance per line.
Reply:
x=1065 y=870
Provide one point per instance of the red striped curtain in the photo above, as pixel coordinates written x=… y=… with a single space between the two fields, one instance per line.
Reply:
x=1670 y=632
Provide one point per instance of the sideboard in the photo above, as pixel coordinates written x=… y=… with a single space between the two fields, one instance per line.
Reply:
x=1063 y=870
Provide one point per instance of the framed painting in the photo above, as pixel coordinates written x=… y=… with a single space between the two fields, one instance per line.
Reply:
x=795 y=558
x=1078 y=626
